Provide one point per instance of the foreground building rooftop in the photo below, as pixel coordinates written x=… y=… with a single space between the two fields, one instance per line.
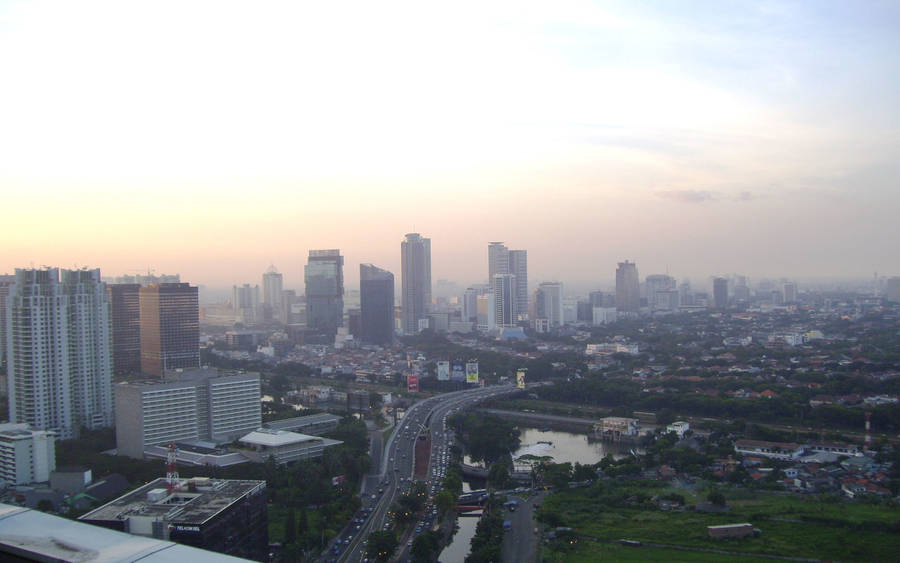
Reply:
x=31 y=535
x=198 y=500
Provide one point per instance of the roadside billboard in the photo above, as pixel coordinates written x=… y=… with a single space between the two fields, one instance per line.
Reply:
x=412 y=383
x=457 y=371
x=472 y=372
x=520 y=379
x=443 y=370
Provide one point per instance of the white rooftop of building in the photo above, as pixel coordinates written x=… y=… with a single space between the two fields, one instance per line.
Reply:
x=274 y=438
x=34 y=535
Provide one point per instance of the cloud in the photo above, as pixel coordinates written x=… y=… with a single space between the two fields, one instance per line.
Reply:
x=745 y=196
x=687 y=196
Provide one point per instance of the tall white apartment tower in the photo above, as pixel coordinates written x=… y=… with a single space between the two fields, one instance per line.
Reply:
x=501 y=261
x=518 y=266
x=505 y=312
x=59 y=350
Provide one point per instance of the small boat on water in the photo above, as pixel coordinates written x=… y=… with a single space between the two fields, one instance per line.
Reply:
x=545 y=442
x=545 y=429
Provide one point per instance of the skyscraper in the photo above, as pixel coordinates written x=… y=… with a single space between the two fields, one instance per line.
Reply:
x=245 y=303
x=656 y=286
x=376 y=294
x=170 y=327
x=5 y=282
x=789 y=291
x=628 y=289
x=518 y=266
x=124 y=301
x=324 y=275
x=58 y=345
x=501 y=260
x=415 y=259
x=273 y=299
x=498 y=260
x=505 y=306
x=548 y=303
x=720 y=292
x=892 y=291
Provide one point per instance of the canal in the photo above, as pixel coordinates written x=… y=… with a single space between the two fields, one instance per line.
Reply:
x=561 y=446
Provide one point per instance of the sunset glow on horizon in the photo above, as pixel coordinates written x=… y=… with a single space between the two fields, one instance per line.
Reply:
x=211 y=139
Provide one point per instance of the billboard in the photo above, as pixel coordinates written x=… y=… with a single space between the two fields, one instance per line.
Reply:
x=412 y=383
x=443 y=370
x=472 y=372
x=520 y=379
x=457 y=371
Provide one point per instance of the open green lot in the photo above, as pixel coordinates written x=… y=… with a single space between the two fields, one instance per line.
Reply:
x=792 y=526
x=591 y=552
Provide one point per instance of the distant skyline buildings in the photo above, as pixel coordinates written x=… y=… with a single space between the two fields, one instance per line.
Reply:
x=628 y=289
x=720 y=293
x=324 y=277
x=501 y=261
x=245 y=302
x=415 y=260
x=548 y=303
x=273 y=294
x=376 y=294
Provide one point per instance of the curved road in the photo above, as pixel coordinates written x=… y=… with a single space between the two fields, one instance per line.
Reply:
x=396 y=472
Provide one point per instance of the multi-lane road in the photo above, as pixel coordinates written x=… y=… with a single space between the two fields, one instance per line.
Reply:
x=382 y=489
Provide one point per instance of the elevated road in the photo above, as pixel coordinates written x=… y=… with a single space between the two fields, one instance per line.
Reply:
x=395 y=477
x=571 y=422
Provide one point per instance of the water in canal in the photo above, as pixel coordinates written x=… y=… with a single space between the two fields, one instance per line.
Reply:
x=563 y=447
x=459 y=546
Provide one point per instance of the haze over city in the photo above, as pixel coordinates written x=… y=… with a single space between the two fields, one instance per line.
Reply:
x=211 y=140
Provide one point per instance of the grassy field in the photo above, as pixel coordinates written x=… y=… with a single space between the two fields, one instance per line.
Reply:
x=791 y=526
x=590 y=552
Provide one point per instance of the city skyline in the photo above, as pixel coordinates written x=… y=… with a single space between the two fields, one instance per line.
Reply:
x=757 y=138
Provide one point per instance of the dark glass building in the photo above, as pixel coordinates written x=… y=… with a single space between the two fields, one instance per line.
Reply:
x=170 y=327
x=324 y=274
x=720 y=293
x=226 y=516
x=125 y=311
x=376 y=292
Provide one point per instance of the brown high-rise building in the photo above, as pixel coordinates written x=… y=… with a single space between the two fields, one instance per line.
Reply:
x=124 y=302
x=170 y=327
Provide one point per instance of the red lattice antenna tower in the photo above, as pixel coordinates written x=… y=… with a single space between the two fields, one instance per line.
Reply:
x=868 y=441
x=172 y=469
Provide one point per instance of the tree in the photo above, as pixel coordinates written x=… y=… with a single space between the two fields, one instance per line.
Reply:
x=425 y=548
x=498 y=475
x=290 y=527
x=716 y=497
x=381 y=545
x=444 y=501
x=303 y=524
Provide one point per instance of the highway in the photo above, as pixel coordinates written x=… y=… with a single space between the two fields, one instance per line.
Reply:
x=381 y=491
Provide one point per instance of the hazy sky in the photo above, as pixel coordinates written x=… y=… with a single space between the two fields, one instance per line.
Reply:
x=212 y=138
